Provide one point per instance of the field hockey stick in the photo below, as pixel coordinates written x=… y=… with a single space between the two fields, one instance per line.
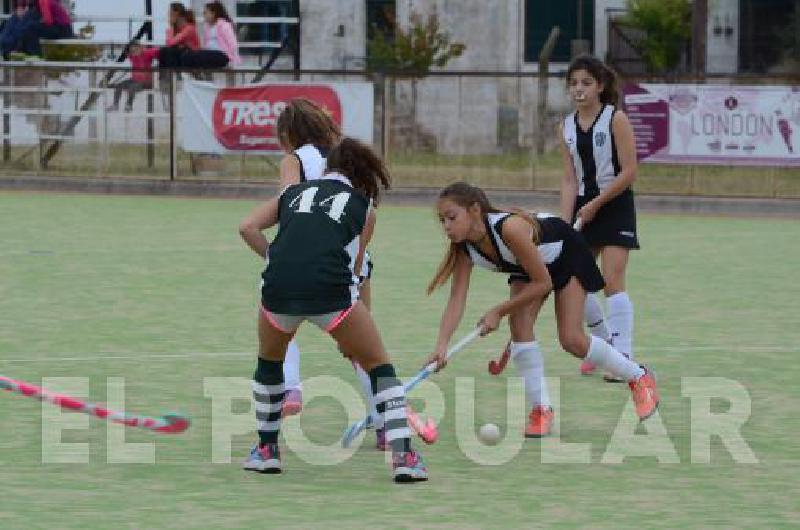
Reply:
x=168 y=424
x=355 y=429
x=496 y=366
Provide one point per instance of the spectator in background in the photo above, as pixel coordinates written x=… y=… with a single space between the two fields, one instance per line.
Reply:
x=141 y=59
x=50 y=20
x=220 y=45
x=14 y=28
x=181 y=36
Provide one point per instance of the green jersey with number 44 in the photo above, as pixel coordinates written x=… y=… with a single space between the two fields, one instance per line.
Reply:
x=311 y=260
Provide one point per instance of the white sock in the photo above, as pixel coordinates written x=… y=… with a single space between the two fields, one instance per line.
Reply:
x=291 y=367
x=595 y=319
x=530 y=364
x=604 y=355
x=366 y=389
x=620 y=320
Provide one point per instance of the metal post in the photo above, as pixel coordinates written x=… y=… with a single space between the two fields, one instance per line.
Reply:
x=148 y=31
x=297 y=41
x=173 y=169
x=381 y=83
x=386 y=117
x=699 y=28
x=151 y=152
x=541 y=108
x=8 y=81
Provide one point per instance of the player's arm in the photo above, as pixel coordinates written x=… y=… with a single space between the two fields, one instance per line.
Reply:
x=290 y=171
x=251 y=228
x=517 y=235
x=569 y=180
x=626 y=153
x=365 y=238
x=459 y=287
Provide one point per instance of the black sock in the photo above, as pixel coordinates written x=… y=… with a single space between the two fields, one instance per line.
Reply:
x=390 y=400
x=268 y=394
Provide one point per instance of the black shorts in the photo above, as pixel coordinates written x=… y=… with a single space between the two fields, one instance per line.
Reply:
x=575 y=260
x=613 y=225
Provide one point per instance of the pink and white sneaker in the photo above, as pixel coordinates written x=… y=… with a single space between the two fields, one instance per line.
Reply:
x=408 y=467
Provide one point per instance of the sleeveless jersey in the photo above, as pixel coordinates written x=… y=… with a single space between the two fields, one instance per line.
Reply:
x=312 y=160
x=311 y=260
x=593 y=152
x=550 y=246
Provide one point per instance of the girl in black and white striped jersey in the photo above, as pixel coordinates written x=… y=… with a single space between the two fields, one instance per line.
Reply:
x=599 y=155
x=541 y=254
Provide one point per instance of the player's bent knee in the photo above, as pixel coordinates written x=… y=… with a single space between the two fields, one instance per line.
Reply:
x=574 y=343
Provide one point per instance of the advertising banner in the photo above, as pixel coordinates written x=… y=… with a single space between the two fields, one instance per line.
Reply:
x=242 y=119
x=708 y=124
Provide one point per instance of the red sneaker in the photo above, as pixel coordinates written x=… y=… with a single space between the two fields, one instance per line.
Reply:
x=645 y=395
x=541 y=421
x=587 y=368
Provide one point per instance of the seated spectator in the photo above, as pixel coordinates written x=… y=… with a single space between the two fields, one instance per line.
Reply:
x=141 y=59
x=49 y=21
x=220 y=45
x=14 y=28
x=181 y=36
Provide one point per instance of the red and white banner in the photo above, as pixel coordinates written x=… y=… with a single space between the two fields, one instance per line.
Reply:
x=233 y=120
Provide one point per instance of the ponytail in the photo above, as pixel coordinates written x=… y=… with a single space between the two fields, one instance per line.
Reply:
x=445 y=268
x=359 y=163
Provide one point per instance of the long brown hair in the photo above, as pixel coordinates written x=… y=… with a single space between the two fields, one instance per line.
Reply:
x=179 y=9
x=601 y=73
x=358 y=162
x=466 y=195
x=304 y=122
x=218 y=10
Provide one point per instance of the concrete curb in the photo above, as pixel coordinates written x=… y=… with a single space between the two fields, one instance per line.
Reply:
x=541 y=200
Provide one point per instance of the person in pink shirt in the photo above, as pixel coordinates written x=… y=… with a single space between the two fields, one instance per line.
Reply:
x=52 y=21
x=141 y=59
x=182 y=36
x=220 y=47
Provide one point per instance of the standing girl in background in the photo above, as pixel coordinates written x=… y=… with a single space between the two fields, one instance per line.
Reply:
x=599 y=155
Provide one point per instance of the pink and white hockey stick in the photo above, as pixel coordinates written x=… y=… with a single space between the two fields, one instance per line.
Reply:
x=167 y=424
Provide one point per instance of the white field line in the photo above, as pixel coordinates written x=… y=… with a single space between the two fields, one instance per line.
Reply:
x=249 y=355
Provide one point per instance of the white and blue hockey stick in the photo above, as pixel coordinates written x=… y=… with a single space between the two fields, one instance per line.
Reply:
x=355 y=429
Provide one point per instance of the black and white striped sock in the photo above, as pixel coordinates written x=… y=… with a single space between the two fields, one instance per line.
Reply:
x=390 y=402
x=268 y=393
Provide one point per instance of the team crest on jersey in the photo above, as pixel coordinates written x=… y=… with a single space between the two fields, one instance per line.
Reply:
x=599 y=139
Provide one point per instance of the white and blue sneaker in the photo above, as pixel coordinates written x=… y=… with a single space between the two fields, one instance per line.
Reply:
x=264 y=459
x=408 y=467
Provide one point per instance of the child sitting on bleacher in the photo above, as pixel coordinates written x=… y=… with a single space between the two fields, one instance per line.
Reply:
x=141 y=59
x=14 y=28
